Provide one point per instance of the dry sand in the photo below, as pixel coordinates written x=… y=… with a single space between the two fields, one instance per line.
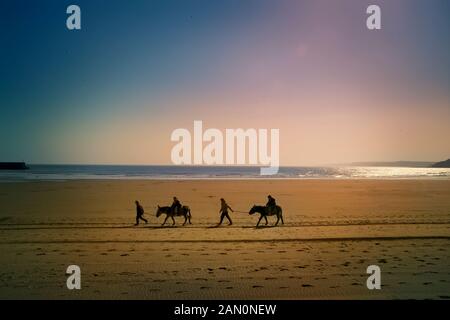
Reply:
x=333 y=230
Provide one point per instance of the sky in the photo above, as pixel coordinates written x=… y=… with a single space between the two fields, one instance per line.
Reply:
x=113 y=92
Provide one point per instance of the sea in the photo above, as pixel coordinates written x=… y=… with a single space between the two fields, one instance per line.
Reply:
x=104 y=172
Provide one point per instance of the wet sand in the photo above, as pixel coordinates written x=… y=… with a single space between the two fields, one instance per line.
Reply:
x=333 y=230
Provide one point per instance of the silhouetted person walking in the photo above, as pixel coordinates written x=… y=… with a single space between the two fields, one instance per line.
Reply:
x=176 y=206
x=139 y=213
x=224 y=211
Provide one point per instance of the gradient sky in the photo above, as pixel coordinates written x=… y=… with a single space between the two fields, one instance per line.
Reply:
x=113 y=92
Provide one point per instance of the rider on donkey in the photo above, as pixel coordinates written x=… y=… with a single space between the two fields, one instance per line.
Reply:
x=271 y=203
x=176 y=206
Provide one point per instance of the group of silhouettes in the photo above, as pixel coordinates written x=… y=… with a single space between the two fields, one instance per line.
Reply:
x=176 y=207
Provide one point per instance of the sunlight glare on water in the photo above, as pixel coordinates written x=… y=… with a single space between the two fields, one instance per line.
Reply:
x=394 y=172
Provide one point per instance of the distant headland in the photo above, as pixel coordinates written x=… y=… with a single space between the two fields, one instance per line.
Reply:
x=408 y=164
x=13 y=166
x=441 y=164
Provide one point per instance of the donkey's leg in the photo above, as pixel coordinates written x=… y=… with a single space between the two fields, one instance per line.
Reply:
x=185 y=219
x=278 y=219
x=173 y=219
x=259 y=220
x=265 y=217
x=167 y=217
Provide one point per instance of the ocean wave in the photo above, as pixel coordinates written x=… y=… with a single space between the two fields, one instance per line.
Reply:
x=112 y=172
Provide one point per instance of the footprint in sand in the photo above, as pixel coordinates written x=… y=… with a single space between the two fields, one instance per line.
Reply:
x=307 y=285
x=256 y=286
x=229 y=288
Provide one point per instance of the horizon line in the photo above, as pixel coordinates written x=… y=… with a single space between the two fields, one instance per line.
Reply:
x=353 y=163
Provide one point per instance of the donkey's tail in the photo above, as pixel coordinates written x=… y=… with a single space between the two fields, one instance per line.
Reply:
x=281 y=215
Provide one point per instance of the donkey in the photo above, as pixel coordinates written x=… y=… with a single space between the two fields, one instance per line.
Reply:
x=265 y=212
x=184 y=211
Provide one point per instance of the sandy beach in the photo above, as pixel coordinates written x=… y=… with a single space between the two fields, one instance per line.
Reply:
x=333 y=230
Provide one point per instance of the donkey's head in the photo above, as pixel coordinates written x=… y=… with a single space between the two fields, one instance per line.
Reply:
x=158 y=211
